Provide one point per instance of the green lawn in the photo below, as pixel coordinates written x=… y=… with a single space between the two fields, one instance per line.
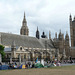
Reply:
x=63 y=70
x=72 y=67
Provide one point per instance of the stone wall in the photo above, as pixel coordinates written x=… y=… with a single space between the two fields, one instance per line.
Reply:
x=72 y=52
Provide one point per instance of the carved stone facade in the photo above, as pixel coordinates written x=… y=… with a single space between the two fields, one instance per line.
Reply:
x=72 y=36
x=31 y=54
x=62 y=44
x=67 y=46
x=72 y=31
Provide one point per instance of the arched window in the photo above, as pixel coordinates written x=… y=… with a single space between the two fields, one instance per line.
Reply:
x=24 y=32
x=73 y=32
x=18 y=55
x=74 y=43
x=24 y=56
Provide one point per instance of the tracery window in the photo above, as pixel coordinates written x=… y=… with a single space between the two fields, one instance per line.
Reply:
x=73 y=32
x=24 y=32
x=24 y=56
x=74 y=43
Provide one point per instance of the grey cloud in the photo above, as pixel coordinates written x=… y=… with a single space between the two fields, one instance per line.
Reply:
x=46 y=14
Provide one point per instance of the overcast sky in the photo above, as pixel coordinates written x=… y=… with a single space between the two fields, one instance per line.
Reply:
x=48 y=15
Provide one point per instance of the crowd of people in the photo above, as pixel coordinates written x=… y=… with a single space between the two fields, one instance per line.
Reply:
x=31 y=64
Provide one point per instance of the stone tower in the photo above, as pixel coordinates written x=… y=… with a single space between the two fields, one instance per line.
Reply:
x=72 y=36
x=61 y=42
x=37 y=33
x=49 y=35
x=24 y=29
x=56 y=35
x=72 y=31
x=67 y=46
x=13 y=49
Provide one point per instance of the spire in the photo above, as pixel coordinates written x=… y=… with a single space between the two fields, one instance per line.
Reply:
x=70 y=14
x=37 y=28
x=56 y=35
x=60 y=30
x=43 y=33
x=67 y=36
x=24 y=19
x=70 y=17
x=66 y=33
x=37 y=33
x=49 y=35
x=74 y=18
x=60 y=35
x=24 y=15
x=24 y=29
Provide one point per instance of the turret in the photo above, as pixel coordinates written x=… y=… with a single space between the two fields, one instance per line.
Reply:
x=71 y=31
x=60 y=35
x=70 y=17
x=43 y=35
x=24 y=20
x=67 y=40
x=56 y=35
x=24 y=29
x=61 y=42
x=74 y=18
x=67 y=44
x=49 y=35
x=37 y=33
x=67 y=37
x=13 y=49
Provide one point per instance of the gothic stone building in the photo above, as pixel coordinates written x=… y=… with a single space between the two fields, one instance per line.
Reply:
x=62 y=44
x=31 y=48
x=72 y=35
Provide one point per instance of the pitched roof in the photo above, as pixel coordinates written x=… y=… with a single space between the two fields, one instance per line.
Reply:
x=23 y=40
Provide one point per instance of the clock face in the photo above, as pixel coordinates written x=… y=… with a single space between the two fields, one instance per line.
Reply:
x=24 y=24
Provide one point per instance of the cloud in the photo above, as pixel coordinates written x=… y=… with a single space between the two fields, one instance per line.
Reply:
x=46 y=14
